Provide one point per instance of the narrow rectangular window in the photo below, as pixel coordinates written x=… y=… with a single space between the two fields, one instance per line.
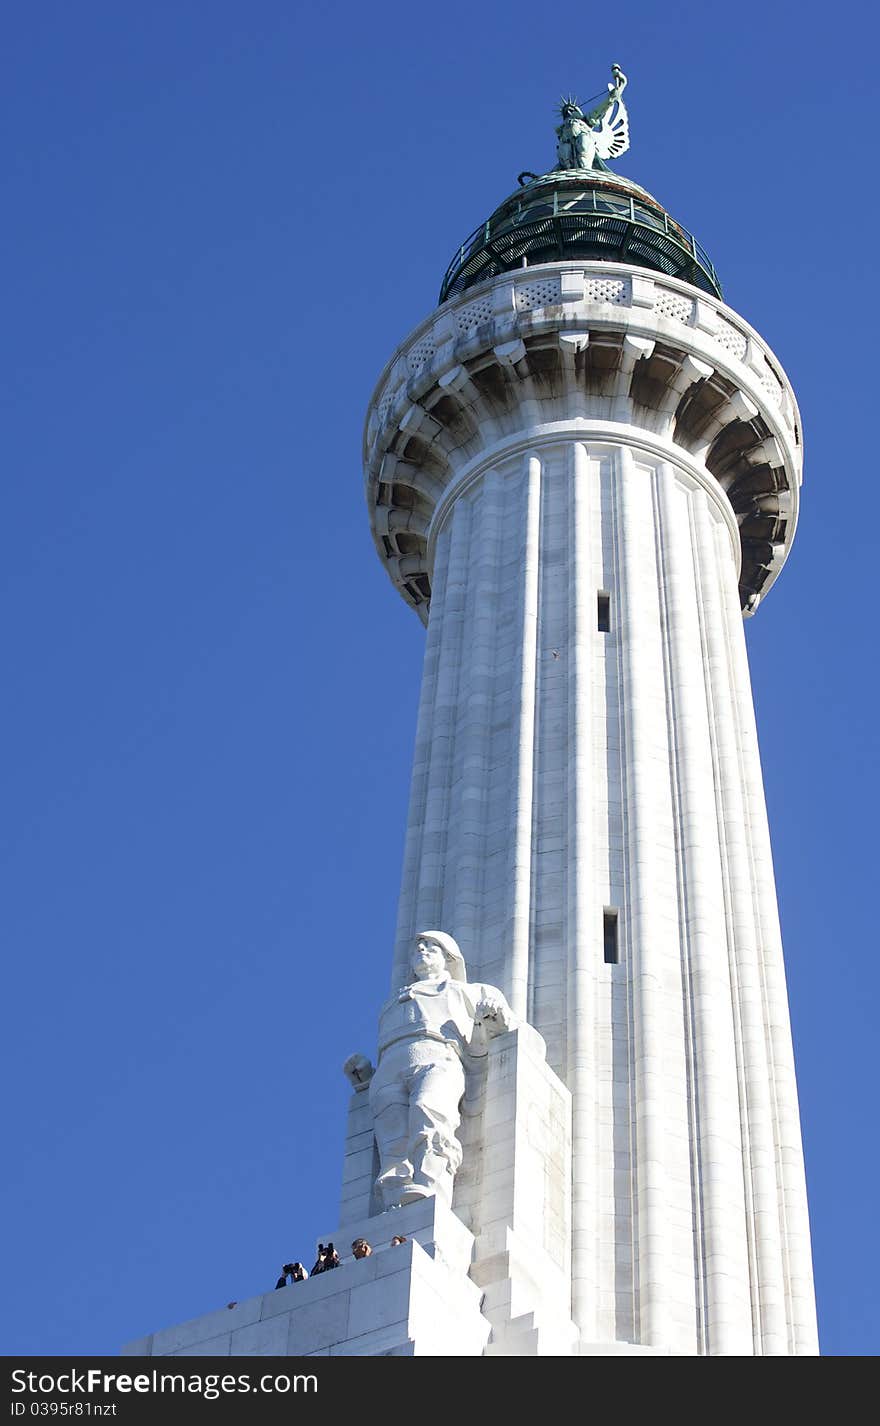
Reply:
x=612 y=950
x=604 y=612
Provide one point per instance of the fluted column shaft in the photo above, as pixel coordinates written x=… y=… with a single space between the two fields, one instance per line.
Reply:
x=561 y=770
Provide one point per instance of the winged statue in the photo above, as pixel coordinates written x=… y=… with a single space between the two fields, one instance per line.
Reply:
x=586 y=139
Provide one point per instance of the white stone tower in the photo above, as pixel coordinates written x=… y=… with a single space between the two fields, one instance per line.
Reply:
x=583 y=471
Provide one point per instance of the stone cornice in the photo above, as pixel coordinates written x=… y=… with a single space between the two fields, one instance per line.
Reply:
x=596 y=343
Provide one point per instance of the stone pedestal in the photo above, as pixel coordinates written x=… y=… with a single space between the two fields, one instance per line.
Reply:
x=519 y=1184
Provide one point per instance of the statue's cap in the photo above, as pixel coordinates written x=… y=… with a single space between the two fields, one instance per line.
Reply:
x=452 y=955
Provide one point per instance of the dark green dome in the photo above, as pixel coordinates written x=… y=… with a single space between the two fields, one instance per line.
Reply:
x=579 y=214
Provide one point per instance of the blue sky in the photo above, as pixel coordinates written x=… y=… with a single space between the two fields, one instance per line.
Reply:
x=220 y=221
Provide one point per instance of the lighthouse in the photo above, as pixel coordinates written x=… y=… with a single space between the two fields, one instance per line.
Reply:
x=581 y=1134
x=583 y=472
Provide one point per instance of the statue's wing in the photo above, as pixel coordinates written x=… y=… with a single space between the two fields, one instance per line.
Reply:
x=612 y=138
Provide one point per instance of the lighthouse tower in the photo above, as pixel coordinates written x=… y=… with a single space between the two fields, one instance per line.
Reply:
x=583 y=472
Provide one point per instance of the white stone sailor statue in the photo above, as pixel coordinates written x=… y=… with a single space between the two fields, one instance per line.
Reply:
x=416 y=1091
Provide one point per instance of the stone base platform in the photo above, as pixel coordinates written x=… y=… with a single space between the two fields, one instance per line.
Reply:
x=411 y=1300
